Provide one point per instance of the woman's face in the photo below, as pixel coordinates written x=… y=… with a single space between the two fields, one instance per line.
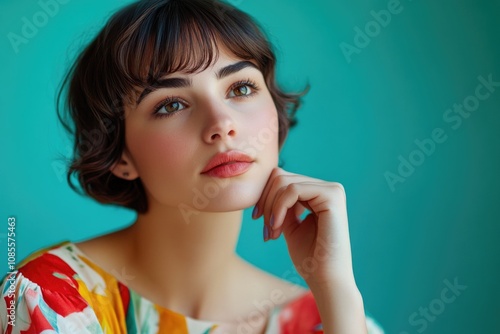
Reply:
x=177 y=128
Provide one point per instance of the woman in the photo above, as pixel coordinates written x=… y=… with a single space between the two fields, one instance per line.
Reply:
x=176 y=114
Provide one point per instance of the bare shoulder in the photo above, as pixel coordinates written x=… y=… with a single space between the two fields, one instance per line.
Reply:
x=289 y=291
x=104 y=250
x=94 y=246
x=266 y=286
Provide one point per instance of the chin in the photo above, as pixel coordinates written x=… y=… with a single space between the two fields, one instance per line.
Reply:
x=234 y=193
x=229 y=194
x=232 y=197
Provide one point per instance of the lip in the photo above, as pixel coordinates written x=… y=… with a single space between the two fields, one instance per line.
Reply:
x=228 y=164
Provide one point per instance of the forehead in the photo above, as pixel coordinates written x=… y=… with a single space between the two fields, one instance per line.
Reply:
x=171 y=81
x=222 y=57
x=181 y=39
x=223 y=64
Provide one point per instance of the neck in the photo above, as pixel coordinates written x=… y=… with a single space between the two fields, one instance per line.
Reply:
x=190 y=262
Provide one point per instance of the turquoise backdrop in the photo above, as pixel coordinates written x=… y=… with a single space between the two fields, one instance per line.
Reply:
x=382 y=117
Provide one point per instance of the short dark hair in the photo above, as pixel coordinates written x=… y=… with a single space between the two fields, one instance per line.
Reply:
x=140 y=43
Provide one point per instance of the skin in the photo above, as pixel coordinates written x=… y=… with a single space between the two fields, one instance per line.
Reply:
x=181 y=253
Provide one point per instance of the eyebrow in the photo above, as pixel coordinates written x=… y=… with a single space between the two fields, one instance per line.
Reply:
x=181 y=82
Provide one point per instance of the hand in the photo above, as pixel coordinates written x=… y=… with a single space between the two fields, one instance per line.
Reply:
x=319 y=244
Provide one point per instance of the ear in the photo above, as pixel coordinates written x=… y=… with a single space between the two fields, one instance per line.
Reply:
x=125 y=168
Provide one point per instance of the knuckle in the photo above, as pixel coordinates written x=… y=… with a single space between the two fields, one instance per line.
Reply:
x=280 y=180
x=338 y=185
x=338 y=189
x=275 y=172
x=292 y=187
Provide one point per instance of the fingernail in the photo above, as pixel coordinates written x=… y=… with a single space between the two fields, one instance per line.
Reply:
x=271 y=220
x=266 y=233
x=255 y=212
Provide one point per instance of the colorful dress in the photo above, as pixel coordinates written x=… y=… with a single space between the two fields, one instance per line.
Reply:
x=59 y=290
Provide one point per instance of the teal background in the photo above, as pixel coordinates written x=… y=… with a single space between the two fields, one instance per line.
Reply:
x=359 y=117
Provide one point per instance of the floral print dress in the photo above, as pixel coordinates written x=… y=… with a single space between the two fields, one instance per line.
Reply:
x=59 y=290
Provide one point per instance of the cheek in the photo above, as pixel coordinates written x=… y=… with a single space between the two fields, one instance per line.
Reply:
x=265 y=126
x=158 y=152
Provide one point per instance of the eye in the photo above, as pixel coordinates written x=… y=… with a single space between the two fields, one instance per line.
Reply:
x=244 y=88
x=241 y=90
x=168 y=107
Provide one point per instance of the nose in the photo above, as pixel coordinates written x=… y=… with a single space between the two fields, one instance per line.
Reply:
x=219 y=124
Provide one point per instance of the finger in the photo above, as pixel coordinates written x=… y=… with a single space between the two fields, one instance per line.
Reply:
x=291 y=218
x=274 y=182
x=299 y=209
x=279 y=185
x=258 y=206
x=309 y=194
x=276 y=173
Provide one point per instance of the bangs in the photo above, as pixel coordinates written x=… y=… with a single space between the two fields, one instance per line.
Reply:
x=140 y=44
x=169 y=36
